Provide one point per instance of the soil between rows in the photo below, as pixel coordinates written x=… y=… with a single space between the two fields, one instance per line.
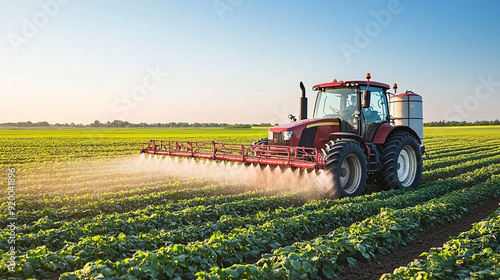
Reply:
x=428 y=238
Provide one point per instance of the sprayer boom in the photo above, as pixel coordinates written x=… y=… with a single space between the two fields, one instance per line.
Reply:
x=246 y=153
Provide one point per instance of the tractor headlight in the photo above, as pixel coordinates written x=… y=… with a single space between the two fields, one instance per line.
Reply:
x=287 y=135
x=270 y=135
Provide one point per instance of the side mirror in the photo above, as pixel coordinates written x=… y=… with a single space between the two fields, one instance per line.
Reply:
x=367 y=94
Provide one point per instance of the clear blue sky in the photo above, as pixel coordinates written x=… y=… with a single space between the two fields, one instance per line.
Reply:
x=239 y=61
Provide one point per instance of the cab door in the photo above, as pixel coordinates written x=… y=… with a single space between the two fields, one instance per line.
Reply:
x=373 y=117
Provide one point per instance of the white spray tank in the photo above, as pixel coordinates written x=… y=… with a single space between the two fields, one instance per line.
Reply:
x=407 y=109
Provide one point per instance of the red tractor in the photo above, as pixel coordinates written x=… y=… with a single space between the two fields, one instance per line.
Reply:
x=351 y=136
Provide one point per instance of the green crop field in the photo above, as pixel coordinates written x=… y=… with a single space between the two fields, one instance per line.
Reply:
x=87 y=205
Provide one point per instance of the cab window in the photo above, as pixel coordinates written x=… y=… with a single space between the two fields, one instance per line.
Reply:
x=377 y=112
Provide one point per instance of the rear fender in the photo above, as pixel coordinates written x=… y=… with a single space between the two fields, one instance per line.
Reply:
x=386 y=129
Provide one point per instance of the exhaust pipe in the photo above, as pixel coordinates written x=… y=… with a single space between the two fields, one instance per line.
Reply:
x=303 y=103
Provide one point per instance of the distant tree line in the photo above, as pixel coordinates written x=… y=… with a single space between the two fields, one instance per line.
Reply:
x=462 y=123
x=234 y=126
x=118 y=123
x=26 y=124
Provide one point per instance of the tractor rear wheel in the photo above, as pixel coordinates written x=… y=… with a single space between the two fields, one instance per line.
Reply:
x=261 y=141
x=401 y=162
x=346 y=162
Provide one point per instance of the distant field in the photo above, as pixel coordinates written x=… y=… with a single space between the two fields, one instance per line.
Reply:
x=27 y=146
x=89 y=206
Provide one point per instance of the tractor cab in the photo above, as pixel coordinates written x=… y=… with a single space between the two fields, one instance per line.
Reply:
x=360 y=107
x=355 y=109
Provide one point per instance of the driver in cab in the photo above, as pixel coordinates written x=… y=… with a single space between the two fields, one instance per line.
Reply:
x=352 y=106
x=349 y=110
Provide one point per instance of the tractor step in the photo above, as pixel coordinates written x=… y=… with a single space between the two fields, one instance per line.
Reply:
x=374 y=163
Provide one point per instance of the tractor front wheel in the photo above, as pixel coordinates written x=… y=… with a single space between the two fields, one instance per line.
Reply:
x=401 y=162
x=346 y=162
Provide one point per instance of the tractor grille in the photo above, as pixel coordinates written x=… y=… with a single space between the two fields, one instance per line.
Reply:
x=278 y=139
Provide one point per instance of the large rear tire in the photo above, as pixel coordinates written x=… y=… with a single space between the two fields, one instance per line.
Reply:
x=346 y=162
x=261 y=141
x=401 y=162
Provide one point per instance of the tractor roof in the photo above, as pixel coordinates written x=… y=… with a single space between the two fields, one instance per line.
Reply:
x=344 y=83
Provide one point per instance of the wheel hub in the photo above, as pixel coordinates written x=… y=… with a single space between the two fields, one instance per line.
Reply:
x=343 y=172
x=407 y=166
x=350 y=174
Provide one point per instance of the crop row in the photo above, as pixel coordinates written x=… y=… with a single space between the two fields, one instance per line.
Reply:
x=212 y=198
x=74 y=255
x=127 y=168
x=31 y=202
x=448 y=171
x=472 y=255
x=125 y=204
x=134 y=223
x=447 y=151
x=141 y=220
x=107 y=205
x=91 y=183
x=326 y=256
x=432 y=163
x=48 y=191
x=445 y=143
x=243 y=244
x=86 y=181
x=449 y=144
x=91 y=206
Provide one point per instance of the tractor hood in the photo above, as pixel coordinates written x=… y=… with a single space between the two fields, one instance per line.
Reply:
x=303 y=124
x=312 y=133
